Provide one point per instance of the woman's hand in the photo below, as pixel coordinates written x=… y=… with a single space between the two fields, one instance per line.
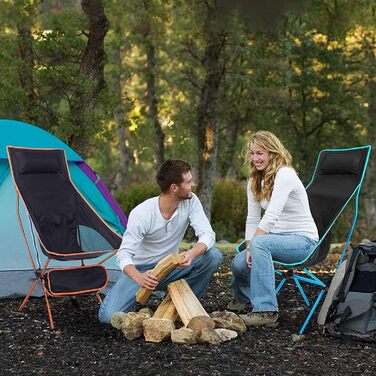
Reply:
x=249 y=259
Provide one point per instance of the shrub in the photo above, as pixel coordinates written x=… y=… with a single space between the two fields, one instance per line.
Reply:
x=229 y=210
x=135 y=194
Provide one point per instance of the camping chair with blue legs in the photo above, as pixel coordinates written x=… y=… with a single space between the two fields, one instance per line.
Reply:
x=67 y=228
x=335 y=184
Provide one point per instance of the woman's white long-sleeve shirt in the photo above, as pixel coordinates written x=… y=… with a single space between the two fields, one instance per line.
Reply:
x=287 y=211
x=149 y=237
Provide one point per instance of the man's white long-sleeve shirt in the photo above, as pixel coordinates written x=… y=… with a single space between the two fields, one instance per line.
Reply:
x=149 y=237
x=287 y=211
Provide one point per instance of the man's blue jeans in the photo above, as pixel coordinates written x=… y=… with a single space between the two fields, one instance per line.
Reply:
x=122 y=296
x=256 y=285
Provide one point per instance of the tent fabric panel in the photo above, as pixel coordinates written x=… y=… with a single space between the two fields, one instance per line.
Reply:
x=13 y=254
x=17 y=133
x=105 y=192
x=95 y=198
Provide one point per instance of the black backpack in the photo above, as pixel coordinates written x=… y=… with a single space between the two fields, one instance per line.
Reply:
x=349 y=311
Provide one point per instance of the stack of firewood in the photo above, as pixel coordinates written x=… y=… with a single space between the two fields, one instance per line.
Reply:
x=180 y=317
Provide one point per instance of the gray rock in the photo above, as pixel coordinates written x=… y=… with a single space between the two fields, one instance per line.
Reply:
x=184 y=336
x=228 y=320
x=226 y=334
x=117 y=319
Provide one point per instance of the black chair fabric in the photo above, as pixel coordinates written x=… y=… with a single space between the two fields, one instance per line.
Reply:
x=336 y=178
x=55 y=207
x=86 y=279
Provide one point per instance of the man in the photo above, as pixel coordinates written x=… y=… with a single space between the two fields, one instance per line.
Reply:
x=155 y=229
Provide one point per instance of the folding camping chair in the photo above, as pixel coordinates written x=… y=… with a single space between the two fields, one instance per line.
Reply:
x=336 y=181
x=65 y=223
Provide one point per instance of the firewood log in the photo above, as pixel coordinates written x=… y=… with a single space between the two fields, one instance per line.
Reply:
x=185 y=301
x=166 y=310
x=165 y=266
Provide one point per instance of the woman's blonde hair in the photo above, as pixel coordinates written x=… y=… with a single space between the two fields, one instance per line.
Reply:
x=279 y=157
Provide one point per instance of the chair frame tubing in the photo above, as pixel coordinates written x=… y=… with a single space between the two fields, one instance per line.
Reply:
x=313 y=280
x=40 y=274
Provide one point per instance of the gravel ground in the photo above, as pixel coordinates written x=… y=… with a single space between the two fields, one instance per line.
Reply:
x=82 y=346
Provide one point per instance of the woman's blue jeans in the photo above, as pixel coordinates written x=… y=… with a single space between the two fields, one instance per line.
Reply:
x=256 y=285
x=122 y=297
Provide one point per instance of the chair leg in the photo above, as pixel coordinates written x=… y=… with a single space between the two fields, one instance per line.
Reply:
x=24 y=302
x=99 y=298
x=312 y=311
x=52 y=325
x=302 y=292
x=280 y=285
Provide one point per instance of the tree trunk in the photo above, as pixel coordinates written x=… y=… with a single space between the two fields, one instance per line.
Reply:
x=151 y=93
x=25 y=45
x=207 y=114
x=230 y=160
x=91 y=77
x=370 y=181
x=125 y=154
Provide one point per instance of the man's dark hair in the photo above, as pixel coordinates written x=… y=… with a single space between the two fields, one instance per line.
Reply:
x=171 y=172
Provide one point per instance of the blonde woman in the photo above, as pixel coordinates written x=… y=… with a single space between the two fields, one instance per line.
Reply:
x=286 y=232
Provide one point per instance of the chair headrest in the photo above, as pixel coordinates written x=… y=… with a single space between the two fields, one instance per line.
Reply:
x=340 y=164
x=39 y=165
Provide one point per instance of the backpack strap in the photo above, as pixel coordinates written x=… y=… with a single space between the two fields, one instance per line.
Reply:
x=349 y=272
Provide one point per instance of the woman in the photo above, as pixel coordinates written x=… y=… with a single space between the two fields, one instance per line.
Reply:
x=286 y=232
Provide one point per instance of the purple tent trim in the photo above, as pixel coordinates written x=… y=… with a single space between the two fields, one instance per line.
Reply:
x=105 y=192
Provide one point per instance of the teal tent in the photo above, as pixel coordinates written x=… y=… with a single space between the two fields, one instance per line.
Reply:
x=16 y=273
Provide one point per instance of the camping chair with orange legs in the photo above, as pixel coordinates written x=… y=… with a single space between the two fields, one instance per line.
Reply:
x=335 y=184
x=67 y=227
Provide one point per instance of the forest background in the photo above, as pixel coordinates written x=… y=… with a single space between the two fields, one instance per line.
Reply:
x=130 y=83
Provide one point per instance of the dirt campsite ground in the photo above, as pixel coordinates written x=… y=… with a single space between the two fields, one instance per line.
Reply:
x=83 y=346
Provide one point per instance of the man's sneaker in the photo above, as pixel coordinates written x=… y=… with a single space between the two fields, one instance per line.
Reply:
x=268 y=319
x=237 y=307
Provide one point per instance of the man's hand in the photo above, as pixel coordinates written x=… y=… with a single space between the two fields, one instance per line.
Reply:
x=146 y=280
x=188 y=258
x=197 y=250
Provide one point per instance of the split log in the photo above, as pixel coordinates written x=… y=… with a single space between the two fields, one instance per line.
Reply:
x=166 y=310
x=185 y=301
x=165 y=266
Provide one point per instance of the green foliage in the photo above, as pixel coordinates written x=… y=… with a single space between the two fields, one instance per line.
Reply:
x=135 y=194
x=229 y=210
x=311 y=81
